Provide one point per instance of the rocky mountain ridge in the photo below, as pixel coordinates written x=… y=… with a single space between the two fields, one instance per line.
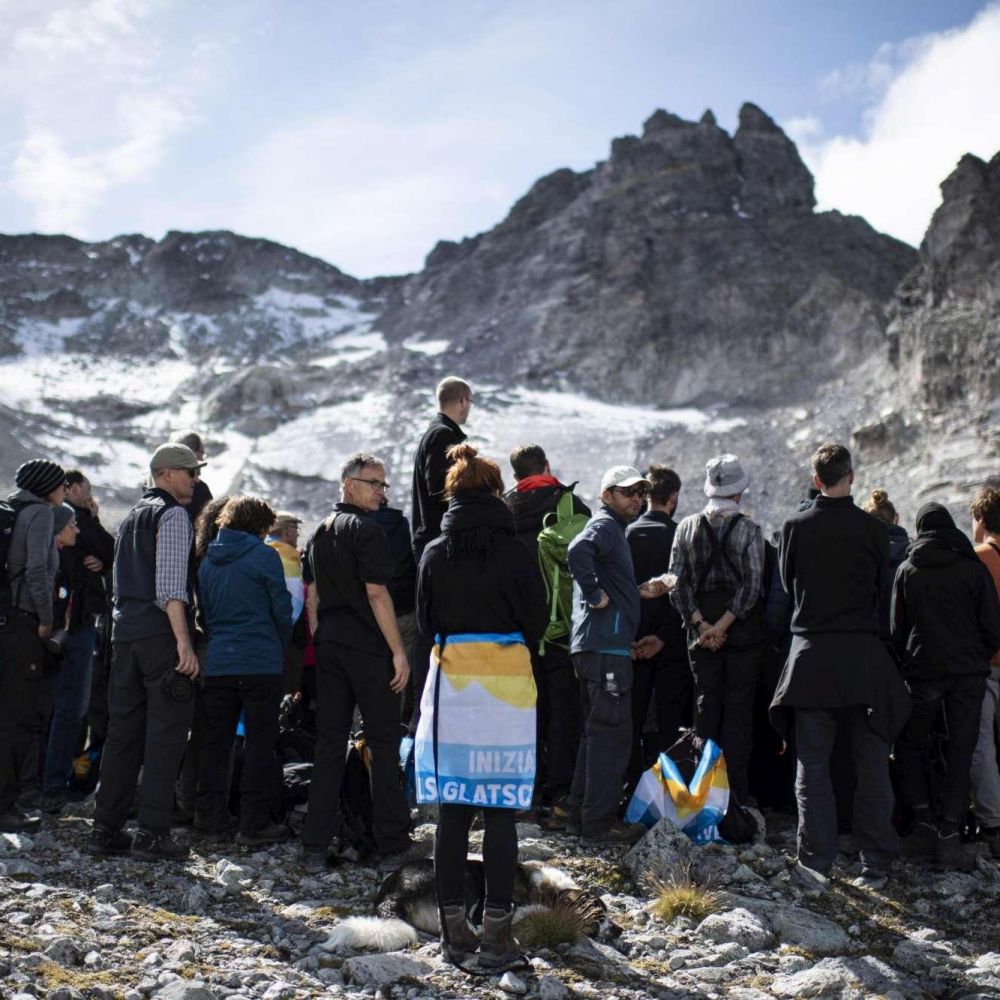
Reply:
x=680 y=298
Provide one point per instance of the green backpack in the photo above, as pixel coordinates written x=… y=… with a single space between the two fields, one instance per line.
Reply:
x=559 y=528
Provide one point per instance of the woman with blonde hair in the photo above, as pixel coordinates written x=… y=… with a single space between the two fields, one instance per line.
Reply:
x=481 y=597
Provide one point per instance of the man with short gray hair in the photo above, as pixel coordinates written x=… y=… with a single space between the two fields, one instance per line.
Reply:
x=361 y=662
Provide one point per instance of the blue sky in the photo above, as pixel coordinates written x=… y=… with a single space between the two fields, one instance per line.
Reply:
x=365 y=132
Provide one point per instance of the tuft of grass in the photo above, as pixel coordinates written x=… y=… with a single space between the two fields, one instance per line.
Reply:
x=561 y=923
x=678 y=895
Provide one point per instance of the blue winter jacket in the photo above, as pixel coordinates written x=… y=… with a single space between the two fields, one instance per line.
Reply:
x=247 y=607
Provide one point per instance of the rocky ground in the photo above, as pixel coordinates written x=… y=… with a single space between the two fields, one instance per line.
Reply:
x=247 y=926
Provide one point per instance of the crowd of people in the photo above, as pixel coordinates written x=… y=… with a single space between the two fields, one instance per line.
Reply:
x=529 y=656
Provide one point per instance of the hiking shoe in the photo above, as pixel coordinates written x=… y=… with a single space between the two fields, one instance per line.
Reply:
x=103 y=842
x=990 y=836
x=922 y=842
x=558 y=818
x=52 y=802
x=618 y=833
x=499 y=951
x=315 y=861
x=225 y=830
x=157 y=845
x=271 y=833
x=16 y=820
x=808 y=879
x=458 y=939
x=951 y=852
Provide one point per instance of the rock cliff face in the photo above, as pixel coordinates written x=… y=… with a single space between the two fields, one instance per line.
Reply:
x=945 y=328
x=681 y=298
x=689 y=266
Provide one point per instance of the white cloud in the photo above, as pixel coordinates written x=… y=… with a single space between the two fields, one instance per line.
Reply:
x=93 y=101
x=937 y=100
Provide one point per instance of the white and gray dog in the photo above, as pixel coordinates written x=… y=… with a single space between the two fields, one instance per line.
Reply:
x=406 y=903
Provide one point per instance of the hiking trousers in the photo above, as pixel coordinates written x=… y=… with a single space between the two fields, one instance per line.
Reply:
x=985 y=773
x=815 y=735
x=962 y=698
x=146 y=728
x=451 y=851
x=606 y=743
x=346 y=678
x=258 y=697
x=725 y=683
x=22 y=691
x=557 y=722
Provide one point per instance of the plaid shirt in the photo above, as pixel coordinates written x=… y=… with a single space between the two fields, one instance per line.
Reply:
x=174 y=536
x=692 y=551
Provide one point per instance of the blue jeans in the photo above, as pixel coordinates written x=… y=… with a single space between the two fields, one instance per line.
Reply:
x=70 y=698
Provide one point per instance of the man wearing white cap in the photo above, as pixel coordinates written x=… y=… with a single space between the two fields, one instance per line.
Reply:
x=605 y=618
x=718 y=560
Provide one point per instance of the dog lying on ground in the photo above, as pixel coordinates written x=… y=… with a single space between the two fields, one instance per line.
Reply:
x=406 y=902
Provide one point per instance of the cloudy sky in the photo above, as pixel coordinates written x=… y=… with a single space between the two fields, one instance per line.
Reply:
x=365 y=132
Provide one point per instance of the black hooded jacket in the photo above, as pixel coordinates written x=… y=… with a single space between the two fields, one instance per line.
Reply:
x=477 y=577
x=945 y=611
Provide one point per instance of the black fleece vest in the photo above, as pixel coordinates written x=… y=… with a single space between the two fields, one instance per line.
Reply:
x=136 y=615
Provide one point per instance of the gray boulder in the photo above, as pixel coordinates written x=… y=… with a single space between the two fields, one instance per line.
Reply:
x=384 y=970
x=740 y=926
x=662 y=851
x=185 y=989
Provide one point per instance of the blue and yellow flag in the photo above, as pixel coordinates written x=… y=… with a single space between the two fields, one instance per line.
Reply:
x=475 y=742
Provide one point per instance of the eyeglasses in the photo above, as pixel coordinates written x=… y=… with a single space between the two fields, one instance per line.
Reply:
x=193 y=473
x=641 y=491
x=375 y=484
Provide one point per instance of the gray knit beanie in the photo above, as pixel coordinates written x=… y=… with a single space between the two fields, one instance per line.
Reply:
x=61 y=516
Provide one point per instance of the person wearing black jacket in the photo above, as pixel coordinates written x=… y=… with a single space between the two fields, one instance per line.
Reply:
x=834 y=561
x=360 y=661
x=660 y=660
x=534 y=496
x=402 y=585
x=202 y=494
x=478 y=582
x=946 y=629
x=430 y=466
x=83 y=567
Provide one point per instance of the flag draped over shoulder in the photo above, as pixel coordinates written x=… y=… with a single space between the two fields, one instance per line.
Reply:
x=475 y=742
x=291 y=563
x=696 y=808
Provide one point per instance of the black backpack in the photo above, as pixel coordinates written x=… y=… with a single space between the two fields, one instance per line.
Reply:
x=8 y=515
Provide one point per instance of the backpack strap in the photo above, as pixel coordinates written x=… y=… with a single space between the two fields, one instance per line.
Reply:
x=719 y=550
x=995 y=548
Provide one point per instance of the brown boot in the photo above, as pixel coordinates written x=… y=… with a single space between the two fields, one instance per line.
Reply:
x=458 y=939
x=500 y=950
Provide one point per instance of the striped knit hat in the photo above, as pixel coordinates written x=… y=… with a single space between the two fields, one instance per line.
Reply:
x=39 y=476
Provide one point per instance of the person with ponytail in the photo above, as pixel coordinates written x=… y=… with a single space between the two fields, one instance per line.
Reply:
x=879 y=505
x=481 y=601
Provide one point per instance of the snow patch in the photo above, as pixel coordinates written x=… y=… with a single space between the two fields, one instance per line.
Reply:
x=429 y=347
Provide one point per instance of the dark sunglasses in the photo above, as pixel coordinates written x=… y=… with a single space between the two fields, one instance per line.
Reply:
x=193 y=473
x=640 y=491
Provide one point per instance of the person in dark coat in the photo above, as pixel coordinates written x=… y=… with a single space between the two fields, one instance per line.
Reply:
x=248 y=612
x=659 y=653
x=430 y=466
x=535 y=495
x=834 y=561
x=478 y=589
x=879 y=505
x=84 y=566
x=946 y=629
